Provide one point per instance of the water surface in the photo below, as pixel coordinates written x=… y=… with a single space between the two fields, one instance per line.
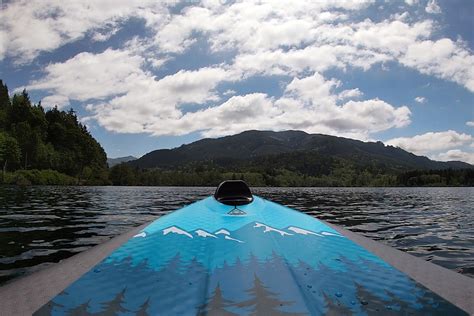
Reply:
x=43 y=225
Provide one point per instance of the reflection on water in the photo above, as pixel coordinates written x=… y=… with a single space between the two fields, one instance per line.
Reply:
x=42 y=225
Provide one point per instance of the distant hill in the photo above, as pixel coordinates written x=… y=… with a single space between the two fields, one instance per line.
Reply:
x=115 y=161
x=291 y=150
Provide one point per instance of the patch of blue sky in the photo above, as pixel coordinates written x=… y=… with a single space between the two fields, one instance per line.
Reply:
x=195 y=57
x=447 y=104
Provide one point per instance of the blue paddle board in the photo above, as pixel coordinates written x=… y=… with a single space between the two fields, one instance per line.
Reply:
x=259 y=258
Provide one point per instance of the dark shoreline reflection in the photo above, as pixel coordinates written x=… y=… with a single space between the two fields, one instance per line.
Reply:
x=42 y=225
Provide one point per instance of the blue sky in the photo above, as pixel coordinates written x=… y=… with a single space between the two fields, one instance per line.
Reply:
x=144 y=75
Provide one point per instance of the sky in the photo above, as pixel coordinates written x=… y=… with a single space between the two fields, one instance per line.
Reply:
x=144 y=75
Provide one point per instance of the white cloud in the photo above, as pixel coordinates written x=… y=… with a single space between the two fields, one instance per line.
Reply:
x=3 y=43
x=457 y=155
x=350 y=94
x=251 y=26
x=229 y=92
x=470 y=123
x=104 y=35
x=365 y=44
x=298 y=40
x=154 y=105
x=122 y=97
x=89 y=76
x=444 y=59
x=60 y=101
x=308 y=104
x=313 y=89
x=283 y=37
x=431 y=142
x=411 y=2
x=432 y=7
x=420 y=99
x=34 y=26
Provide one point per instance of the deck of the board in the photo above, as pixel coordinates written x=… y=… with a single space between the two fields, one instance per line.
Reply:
x=263 y=258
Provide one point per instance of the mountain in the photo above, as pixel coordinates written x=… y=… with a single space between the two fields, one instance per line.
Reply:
x=288 y=149
x=115 y=161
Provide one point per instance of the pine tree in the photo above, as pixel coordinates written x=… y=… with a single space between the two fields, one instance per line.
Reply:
x=4 y=97
x=143 y=311
x=114 y=306
x=217 y=304
x=48 y=308
x=80 y=310
x=264 y=302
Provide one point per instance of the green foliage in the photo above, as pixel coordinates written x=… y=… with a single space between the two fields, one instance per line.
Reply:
x=122 y=174
x=32 y=138
x=447 y=177
x=9 y=152
x=342 y=173
x=310 y=154
x=38 y=177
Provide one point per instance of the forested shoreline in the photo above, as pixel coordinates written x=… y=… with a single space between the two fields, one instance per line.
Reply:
x=52 y=147
x=39 y=146
x=126 y=175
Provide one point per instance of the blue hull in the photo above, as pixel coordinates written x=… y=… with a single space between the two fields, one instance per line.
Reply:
x=257 y=259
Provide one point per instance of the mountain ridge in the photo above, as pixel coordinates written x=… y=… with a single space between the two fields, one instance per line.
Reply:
x=115 y=161
x=254 y=145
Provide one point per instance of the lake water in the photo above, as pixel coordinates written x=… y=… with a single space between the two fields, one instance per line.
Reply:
x=43 y=225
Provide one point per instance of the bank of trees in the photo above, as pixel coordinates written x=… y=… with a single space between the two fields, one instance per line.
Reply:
x=341 y=175
x=32 y=138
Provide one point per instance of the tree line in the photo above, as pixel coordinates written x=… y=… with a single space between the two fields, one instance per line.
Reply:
x=343 y=175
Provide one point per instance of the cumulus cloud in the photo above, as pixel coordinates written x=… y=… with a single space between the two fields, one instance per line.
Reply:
x=3 y=43
x=350 y=94
x=411 y=2
x=154 y=105
x=123 y=97
x=92 y=76
x=444 y=59
x=420 y=99
x=271 y=38
x=470 y=123
x=432 y=7
x=290 y=39
x=308 y=104
x=300 y=41
x=104 y=35
x=457 y=155
x=431 y=142
x=229 y=92
x=55 y=100
x=35 y=26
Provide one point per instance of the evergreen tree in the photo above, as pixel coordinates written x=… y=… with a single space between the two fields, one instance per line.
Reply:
x=48 y=140
x=114 y=306
x=4 y=104
x=263 y=301
x=48 y=309
x=80 y=310
x=143 y=311
x=4 y=97
x=9 y=152
x=216 y=305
